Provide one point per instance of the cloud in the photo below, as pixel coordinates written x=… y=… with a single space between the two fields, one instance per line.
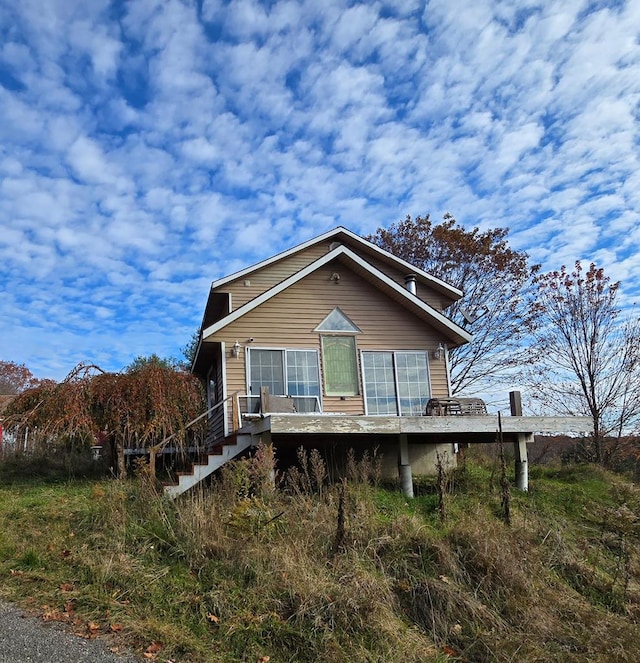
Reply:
x=148 y=148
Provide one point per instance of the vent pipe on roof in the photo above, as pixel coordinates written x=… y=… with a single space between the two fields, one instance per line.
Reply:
x=410 y=283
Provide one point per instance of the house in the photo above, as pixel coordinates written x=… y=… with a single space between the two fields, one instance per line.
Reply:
x=335 y=344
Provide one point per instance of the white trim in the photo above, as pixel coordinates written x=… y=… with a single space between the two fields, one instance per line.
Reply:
x=342 y=251
x=455 y=293
x=447 y=367
x=225 y=404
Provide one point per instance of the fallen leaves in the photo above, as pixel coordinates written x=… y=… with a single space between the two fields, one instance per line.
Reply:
x=152 y=650
x=93 y=629
x=54 y=616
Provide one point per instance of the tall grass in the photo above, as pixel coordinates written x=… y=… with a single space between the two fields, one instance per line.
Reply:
x=299 y=569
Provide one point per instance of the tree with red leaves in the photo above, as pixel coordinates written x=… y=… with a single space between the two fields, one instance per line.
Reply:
x=15 y=378
x=133 y=410
x=494 y=278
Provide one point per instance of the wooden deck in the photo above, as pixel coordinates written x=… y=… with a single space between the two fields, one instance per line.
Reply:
x=334 y=424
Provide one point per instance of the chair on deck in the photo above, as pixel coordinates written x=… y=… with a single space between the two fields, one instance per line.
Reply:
x=445 y=407
x=271 y=403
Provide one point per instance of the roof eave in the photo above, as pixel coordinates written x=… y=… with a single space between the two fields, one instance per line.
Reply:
x=424 y=277
x=453 y=331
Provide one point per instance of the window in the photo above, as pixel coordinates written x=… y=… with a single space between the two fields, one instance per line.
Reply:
x=379 y=380
x=337 y=321
x=303 y=379
x=340 y=366
x=395 y=382
x=268 y=368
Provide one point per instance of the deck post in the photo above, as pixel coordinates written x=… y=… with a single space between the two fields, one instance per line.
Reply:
x=404 y=466
x=515 y=403
x=522 y=469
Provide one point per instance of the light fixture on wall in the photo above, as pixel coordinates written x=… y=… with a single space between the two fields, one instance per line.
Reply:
x=438 y=353
x=235 y=349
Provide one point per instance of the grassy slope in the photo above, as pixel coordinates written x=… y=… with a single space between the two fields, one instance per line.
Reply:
x=221 y=577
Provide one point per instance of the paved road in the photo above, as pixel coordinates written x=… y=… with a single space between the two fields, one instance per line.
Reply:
x=27 y=639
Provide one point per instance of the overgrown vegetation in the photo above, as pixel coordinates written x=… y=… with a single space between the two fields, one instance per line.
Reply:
x=136 y=409
x=310 y=571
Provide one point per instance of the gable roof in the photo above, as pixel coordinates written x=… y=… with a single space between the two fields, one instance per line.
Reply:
x=412 y=302
x=341 y=233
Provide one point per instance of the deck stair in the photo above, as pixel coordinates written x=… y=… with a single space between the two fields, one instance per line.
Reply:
x=222 y=453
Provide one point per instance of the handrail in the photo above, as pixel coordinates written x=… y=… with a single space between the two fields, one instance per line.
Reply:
x=156 y=448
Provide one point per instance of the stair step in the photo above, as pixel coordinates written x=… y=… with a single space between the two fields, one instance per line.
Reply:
x=223 y=452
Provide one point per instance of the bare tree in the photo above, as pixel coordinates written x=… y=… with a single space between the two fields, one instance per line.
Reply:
x=587 y=354
x=494 y=278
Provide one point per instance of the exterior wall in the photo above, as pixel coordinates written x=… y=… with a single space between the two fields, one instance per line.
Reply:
x=216 y=420
x=269 y=276
x=426 y=294
x=385 y=449
x=288 y=320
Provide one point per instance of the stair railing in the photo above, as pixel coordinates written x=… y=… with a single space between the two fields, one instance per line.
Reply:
x=157 y=448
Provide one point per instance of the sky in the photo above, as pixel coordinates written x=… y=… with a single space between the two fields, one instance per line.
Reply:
x=149 y=147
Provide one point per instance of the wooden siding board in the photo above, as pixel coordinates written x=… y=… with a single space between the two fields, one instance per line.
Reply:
x=269 y=276
x=216 y=421
x=424 y=292
x=266 y=278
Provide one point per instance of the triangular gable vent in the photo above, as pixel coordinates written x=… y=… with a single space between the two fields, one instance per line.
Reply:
x=337 y=321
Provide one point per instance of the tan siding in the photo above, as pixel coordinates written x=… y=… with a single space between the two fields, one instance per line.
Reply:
x=269 y=276
x=288 y=320
x=426 y=294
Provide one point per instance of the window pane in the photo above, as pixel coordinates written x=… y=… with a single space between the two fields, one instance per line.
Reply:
x=267 y=371
x=339 y=362
x=408 y=384
x=413 y=382
x=379 y=383
x=303 y=378
x=337 y=321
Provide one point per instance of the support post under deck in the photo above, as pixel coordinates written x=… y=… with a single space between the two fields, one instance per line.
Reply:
x=522 y=468
x=404 y=466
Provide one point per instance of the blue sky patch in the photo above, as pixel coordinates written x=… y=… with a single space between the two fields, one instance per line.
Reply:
x=148 y=148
